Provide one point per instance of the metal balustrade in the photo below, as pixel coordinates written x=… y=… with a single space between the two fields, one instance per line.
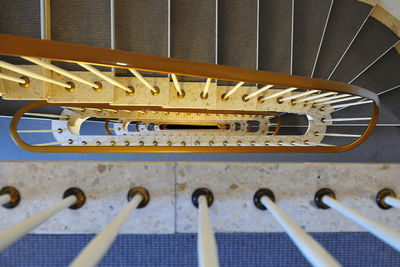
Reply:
x=138 y=198
x=202 y=198
x=73 y=198
x=207 y=253
x=256 y=94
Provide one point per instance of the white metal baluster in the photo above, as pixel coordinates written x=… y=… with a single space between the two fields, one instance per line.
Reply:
x=53 y=116
x=279 y=93
x=4 y=199
x=28 y=73
x=206 y=87
x=143 y=80
x=103 y=76
x=259 y=91
x=310 y=249
x=386 y=198
x=13 y=79
x=40 y=131
x=176 y=83
x=208 y=256
x=206 y=244
x=54 y=143
x=299 y=95
x=234 y=89
x=12 y=234
x=348 y=119
x=315 y=144
x=61 y=71
x=352 y=104
x=337 y=135
x=385 y=233
x=97 y=248
x=392 y=201
x=326 y=99
x=310 y=98
x=340 y=100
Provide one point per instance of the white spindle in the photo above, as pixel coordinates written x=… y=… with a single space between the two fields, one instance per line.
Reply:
x=60 y=71
x=299 y=95
x=12 y=234
x=387 y=234
x=143 y=80
x=392 y=201
x=103 y=76
x=348 y=119
x=234 y=89
x=75 y=108
x=325 y=99
x=259 y=91
x=28 y=73
x=338 y=135
x=176 y=83
x=53 y=116
x=5 y=199
x=279 y=93
x=97 y=248
x=10 y=78
x=206 y=86
x=340 y=100
x=207 y=246
x=352 y=104
x=316 y=144
x=39 y=131
x=314 y=97
x=52 y=143
x=310 y=249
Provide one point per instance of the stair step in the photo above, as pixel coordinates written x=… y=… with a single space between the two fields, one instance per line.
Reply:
x=193 y=31
x=310 y=17
x=383 y=75
x=17 y=19
x=20 y=18
x=275 y=36
x=81 y=22
x=345 y=20
x=237 y=33
x=141 y=27
x=373 y=40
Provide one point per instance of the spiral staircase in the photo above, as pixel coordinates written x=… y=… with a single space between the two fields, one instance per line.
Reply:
x=269 y=113
x=297 y=79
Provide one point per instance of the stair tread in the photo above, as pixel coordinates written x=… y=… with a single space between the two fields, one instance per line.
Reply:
x=345 y=19
x=237 y=33
x=141 y=28
x=373 y=40
x=383 y=75
x=309 y=14
x=193 y=30
x=17 y=19
x=275 y=35
x=20 y=18
x=81 y=22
